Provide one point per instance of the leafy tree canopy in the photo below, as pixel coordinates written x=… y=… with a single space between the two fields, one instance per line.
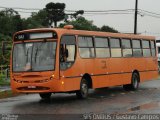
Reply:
x=36 y=20
x=55 y=12
x=83 y=24
x=105 y=28
x=10 y=21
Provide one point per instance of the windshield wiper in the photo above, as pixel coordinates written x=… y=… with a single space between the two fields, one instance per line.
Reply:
x=37 y=50
x=27 y=55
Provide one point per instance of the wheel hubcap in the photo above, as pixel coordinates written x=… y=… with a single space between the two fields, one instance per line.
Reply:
x=84 y=89
x=135 y=82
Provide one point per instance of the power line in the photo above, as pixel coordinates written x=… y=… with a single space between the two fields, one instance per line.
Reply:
x=19 y=8
x=99 y=11
x=143 y=32
x=20 y=11
x=91 y=12
x=149 y=12
x=25 y=12
x=106 y=13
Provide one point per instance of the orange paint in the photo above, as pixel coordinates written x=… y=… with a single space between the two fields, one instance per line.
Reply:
x=103 y=72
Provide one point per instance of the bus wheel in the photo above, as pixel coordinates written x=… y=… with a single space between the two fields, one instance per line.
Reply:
x=134 y=83
x=83 y=92
x=45 y=95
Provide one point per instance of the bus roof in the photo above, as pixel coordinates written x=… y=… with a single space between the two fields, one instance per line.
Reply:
x=62 y=31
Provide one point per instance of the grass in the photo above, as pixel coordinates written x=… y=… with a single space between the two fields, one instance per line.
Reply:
x=6 y=94
x=4 y=82
x=158 y=77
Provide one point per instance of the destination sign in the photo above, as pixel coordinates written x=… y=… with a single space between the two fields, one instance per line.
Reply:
x=35 y=35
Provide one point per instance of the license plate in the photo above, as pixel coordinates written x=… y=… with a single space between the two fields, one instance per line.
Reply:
x=31 y=86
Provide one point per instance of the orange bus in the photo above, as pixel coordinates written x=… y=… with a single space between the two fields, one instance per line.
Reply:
x=54 y=60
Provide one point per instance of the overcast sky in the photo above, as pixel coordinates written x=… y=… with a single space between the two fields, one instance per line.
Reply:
x=123 y=23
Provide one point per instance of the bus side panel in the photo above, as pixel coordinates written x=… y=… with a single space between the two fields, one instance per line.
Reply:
x=127 y=66
x=115 y=71
x=127 y=78
x=150 y=75
x=71 y=84
x=152 y=63
x=150 y=70
x=99 y=77
x=73 y=75
x=100 y=81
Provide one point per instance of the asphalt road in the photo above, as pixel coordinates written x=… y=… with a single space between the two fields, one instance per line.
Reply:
x=113 y=100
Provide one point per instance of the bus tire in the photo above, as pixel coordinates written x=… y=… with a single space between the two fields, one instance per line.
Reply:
x=45 y=95
x=134 y=82
x=83 y=92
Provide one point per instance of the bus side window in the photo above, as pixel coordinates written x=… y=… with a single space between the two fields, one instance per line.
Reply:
x=146 y=48
x=153 y=48
x=67 y=51
x=137 y=51
x=115 y=47
x=86 y=46
x=126 y=47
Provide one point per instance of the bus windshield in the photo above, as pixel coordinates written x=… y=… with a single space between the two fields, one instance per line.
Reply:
x=34 y=56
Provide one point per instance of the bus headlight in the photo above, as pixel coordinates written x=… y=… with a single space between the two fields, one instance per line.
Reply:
x=62 y=82
x=51 y=78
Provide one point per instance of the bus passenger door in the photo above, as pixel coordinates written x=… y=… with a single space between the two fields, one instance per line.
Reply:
x=67 y=61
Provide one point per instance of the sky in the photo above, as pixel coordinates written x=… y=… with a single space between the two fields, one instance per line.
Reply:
x=147 y=25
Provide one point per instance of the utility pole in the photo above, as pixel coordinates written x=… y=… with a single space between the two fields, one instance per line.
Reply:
x=135 y=19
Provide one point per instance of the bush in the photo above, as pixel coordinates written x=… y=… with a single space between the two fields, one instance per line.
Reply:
x=2 y=77
x=3 y=81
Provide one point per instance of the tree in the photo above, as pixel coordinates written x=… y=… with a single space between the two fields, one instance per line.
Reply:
x=55 y=12
x=82 y=24
x=75 y=15
x=17 y=23
x=10 y=22
x=105 y=28
x=37 y=20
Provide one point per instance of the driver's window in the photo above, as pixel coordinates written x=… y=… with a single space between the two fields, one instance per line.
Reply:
x=71 y=53
x=67 y=51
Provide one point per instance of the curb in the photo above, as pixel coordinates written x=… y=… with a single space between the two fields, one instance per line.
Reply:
x=7 y=93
